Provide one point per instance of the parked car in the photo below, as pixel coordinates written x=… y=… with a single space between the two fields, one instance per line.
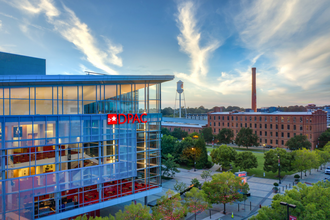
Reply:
x=327 y=170
x=268 y=146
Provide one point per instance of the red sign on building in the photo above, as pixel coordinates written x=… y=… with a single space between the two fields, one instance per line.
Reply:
x=292 y=217
x=114 y=119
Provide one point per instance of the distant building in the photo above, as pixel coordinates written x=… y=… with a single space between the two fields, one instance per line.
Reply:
x=188 y=125
x=313 y=107
x=13 y=64
x=272 y=128
x=197 y=116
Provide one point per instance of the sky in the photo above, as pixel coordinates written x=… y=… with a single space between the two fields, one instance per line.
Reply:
x=210 y=45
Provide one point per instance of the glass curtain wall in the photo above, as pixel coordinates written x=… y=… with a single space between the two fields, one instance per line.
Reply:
x=64 y=129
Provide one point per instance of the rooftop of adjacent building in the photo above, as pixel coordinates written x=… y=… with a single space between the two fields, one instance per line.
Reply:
x=185 y=121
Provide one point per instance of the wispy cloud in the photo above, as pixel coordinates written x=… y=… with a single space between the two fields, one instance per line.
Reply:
x=189 y=41
x=294 y=35
x=9 y=16
x=69 y=26
x=0 y=24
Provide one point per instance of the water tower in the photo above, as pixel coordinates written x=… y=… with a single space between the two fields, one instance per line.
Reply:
x=180 y=90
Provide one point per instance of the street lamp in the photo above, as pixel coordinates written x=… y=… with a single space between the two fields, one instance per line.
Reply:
x=288 y=206
x=279 y=169
x=193 y=149
x=264 y=147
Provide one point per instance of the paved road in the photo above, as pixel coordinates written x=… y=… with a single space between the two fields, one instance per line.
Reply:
x=260 y=190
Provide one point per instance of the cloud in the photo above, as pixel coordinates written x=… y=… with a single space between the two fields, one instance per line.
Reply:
x=189 y=41
x=9 y=16
x=294 y=35
x=0 y=24
x=69 y=26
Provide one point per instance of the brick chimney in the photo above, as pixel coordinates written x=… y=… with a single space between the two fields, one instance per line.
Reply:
x=254 y=90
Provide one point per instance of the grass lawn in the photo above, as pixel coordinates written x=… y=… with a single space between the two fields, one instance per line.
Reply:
x=259 y=171
x=209 y=149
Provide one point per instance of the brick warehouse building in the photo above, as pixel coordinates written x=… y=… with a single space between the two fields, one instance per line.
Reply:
x=275 y=128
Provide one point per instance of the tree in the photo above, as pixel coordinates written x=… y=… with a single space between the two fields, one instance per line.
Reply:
x=225 y=188
x=202 y=158
x=195 y=201
x=189 y=155
x=167 y=111
x=300 y=162
x=206 y=174
x=246 y=138
x=180 y=186
x=196 y=183
x=169 y=167
x=223 y=155
x=169 y=207
x=179 y=134
x=165 y=131
x=225 y=136
x=132 y=211
x=194 y=135
x=324 y=157
x=271 y=160
x=324 y=138
x=246 y=160
x=312 y=202
x=168 y=144
x=207 y=134
x=298 y=142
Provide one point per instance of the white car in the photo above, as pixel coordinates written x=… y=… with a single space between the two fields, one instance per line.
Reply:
x=327 y=170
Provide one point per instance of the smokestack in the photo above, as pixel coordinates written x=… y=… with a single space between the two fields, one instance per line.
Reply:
x=254 y=90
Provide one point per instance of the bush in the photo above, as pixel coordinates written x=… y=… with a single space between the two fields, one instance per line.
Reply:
x=275 y=184
x=296 y=176
x=209 y=164
x=196 y=183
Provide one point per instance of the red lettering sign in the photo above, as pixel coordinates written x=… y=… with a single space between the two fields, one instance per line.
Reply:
x=292 y=217
x=122 y=118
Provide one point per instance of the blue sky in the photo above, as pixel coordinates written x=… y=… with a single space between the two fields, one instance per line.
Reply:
x=210 y=45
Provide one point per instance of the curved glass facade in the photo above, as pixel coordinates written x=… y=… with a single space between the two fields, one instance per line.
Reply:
x=58 y=153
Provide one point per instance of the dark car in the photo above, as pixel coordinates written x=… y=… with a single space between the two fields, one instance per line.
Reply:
x=268 y=146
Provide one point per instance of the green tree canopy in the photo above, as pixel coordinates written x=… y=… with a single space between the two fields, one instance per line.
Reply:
x=169 y=166
x=271 y=160
x=132 y=211
x=300 y=162
x=194 y=135
x=246 y=160
x=169 y=207
x=166 y=131
x=223 y=155
x=179 y=134
x=298 y=142
x=312 y=202
x=195 y=201
x=246 y=138
x=168 y=144
x=225 y=188
x=206 y=174
x=324 y=138
x=324 y=156
x=202 y=158
x=207 y=134
x=225 y=136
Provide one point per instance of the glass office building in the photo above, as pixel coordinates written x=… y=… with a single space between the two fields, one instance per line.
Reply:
x=59 y=156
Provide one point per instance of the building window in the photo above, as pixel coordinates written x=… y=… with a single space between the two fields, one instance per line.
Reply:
x=232 y=118
x=276 y=134
x=294 y=119
x=219 y=130
x=210 y=123
x=282 y=134
x=266 y=133
x=227 y=118
x=271 y=134
x=255 y=118
x=241 y=118
x=306 y=127
x=288 y=127
x=301 y=119
x=232 y=125
x=260 y=140
x=255 y=132
x=288 y=119
x=236 y=118
x=266 y=141
x=210 y=118
x=241 y=124
x=250 y=118
x=310 y=120
x=223 y=124
x=260 y=118
x=271 y=141
x=214 y=130
x=310 y=136
x=282 y=119
x=282 y=142
x=301 y=127
x=245 y=118
x=260 y=125
x=266 y=126
x=219 y=118
x=219 y=124
x=214 y=123
x=271 y=118
x=282 y=126
x=306 y=120
x=294 y=134
x=260 y=133
x=170 y=129
x=276 y=126
x=276 y=119
x=288 y=135
x=245 y=125
x=214 y=117
x=188 y=129
x=265 y=119
x=276 y=141
x=223 y=118
x=271 y=126
x=310 y=128
x=228 y=124
x=255 y=125
x=250 y=125
x=236 y=125
x=294 y=127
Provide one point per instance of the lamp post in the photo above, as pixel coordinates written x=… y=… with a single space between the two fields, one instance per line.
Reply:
x=279 y=169
x=193 y=149
x=264 y=147
x=288 y=206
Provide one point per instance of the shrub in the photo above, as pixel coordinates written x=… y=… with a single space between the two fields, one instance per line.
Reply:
x=209 y=164
x=196 y=183
x=275 y=184
x=296 y=176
